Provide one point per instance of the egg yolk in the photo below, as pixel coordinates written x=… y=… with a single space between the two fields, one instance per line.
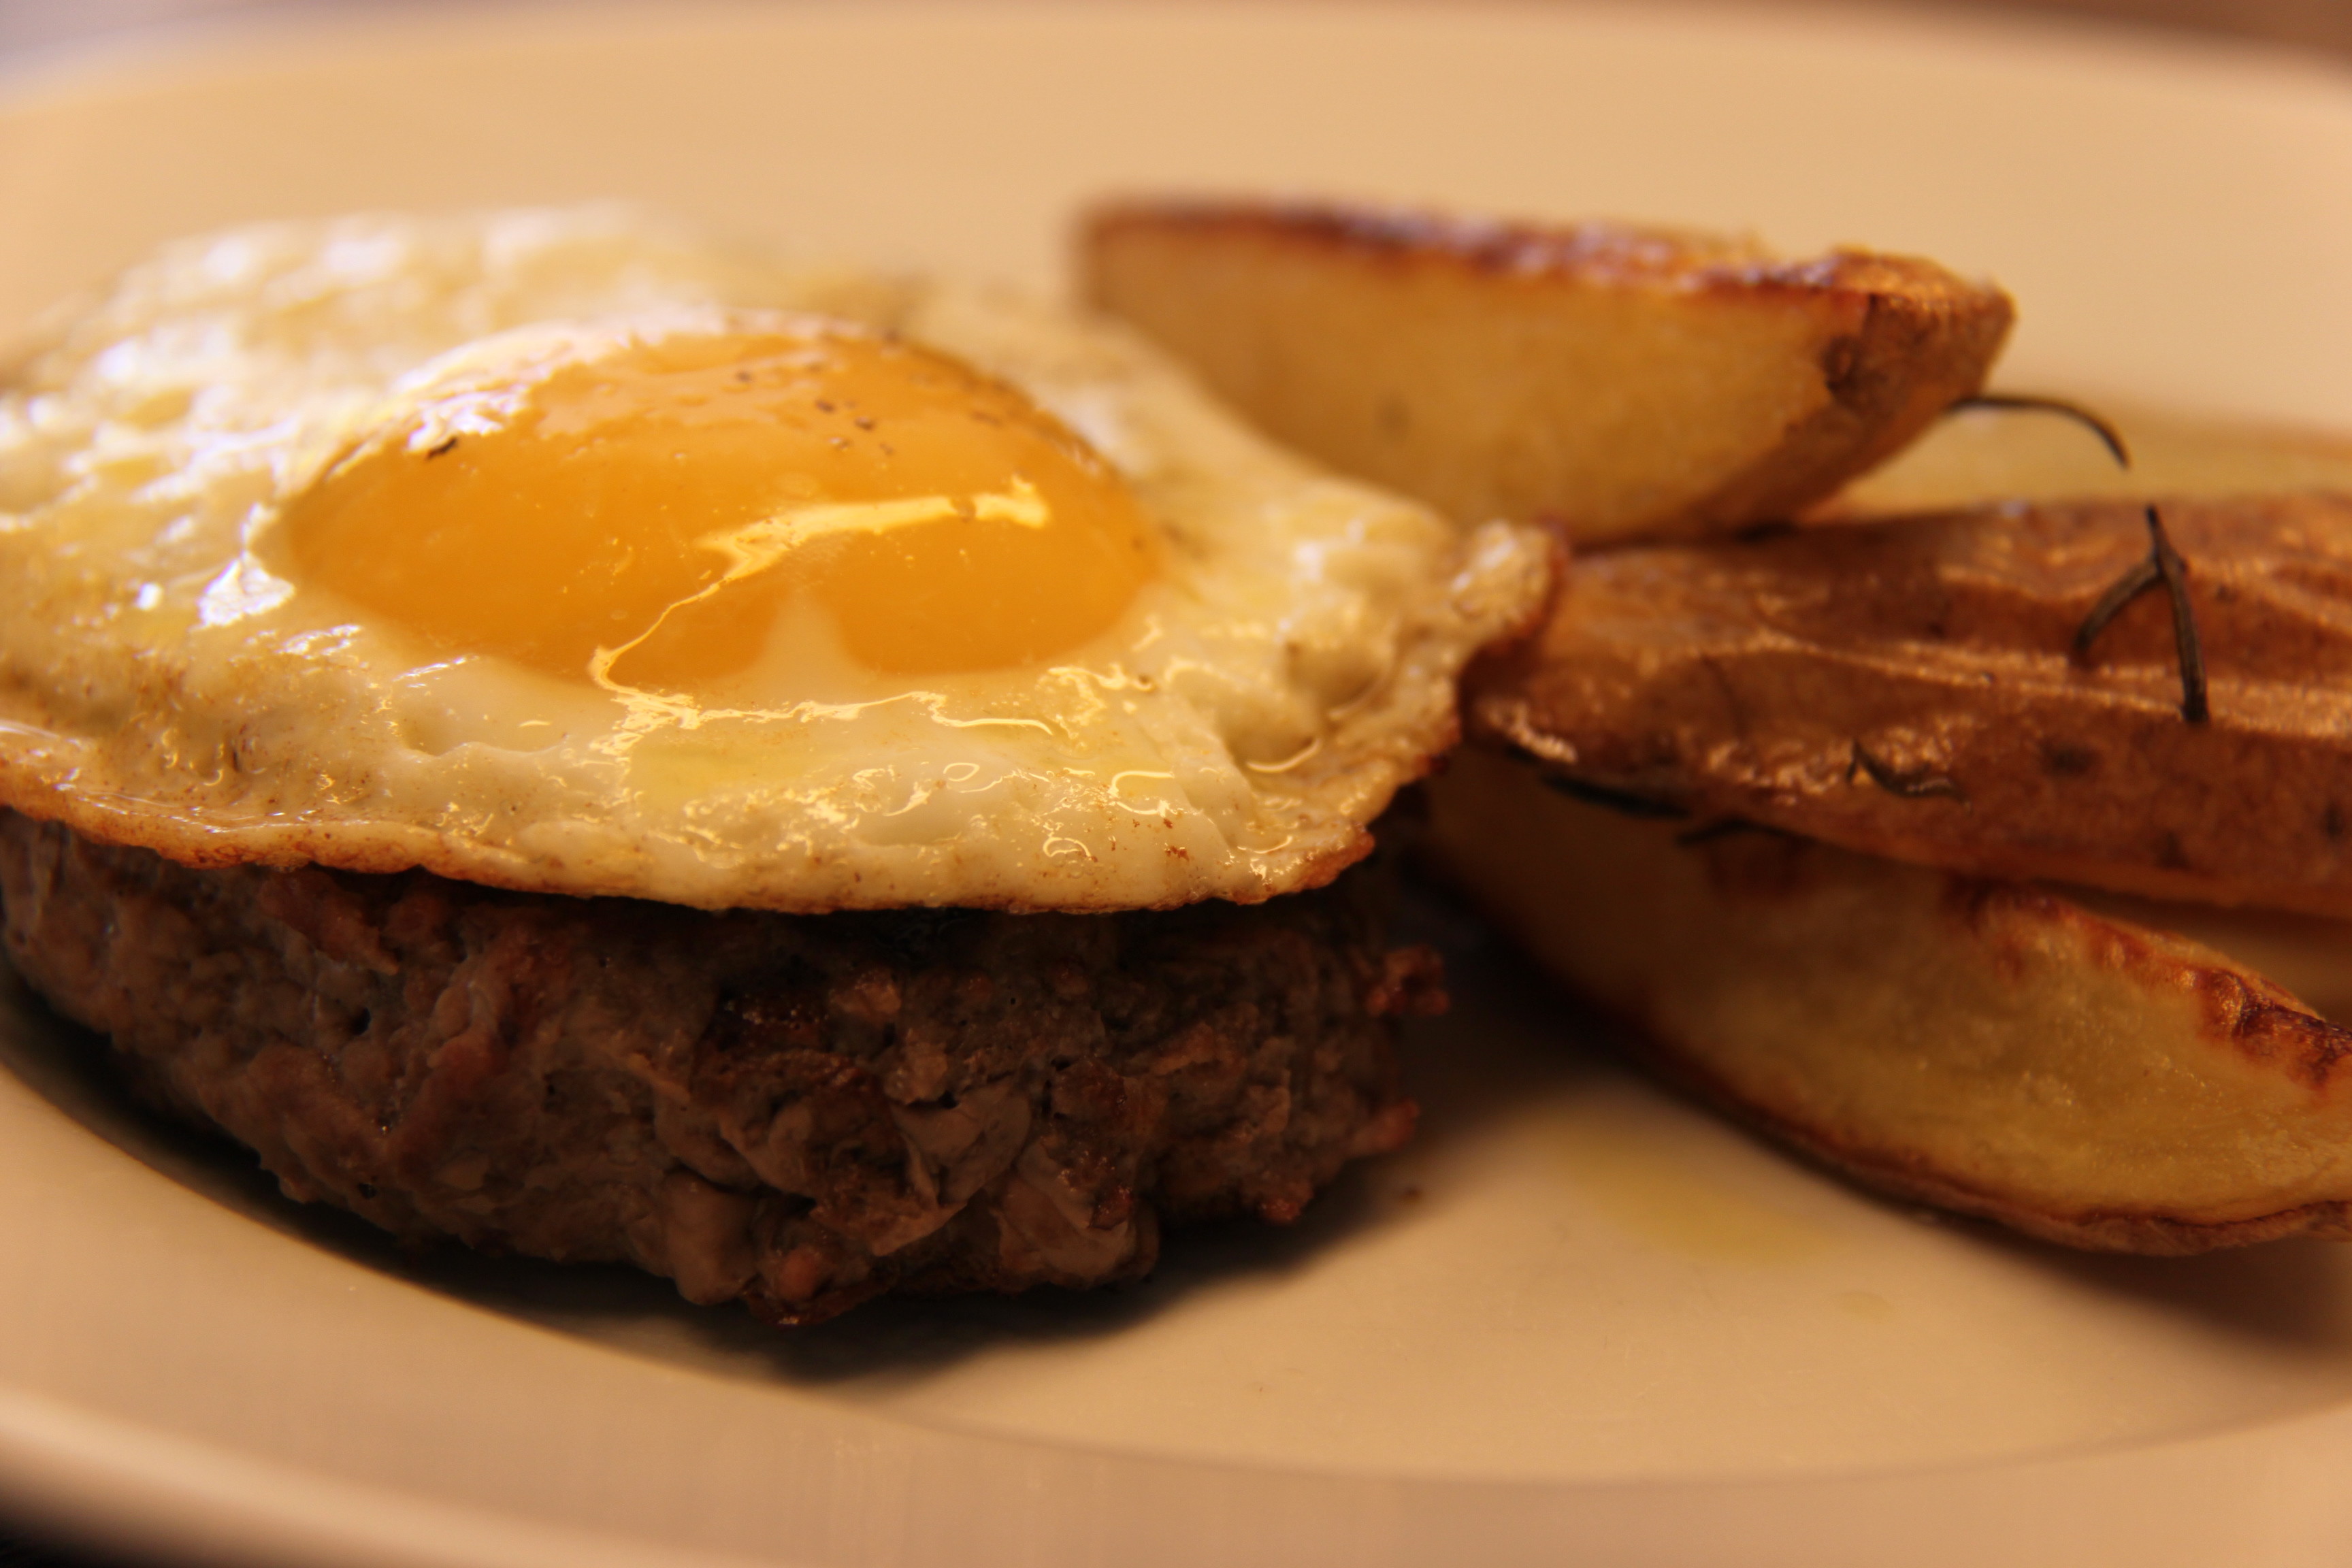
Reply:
x=639 y=518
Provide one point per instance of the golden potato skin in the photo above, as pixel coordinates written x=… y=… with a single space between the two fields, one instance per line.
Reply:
x=1619 y=381
x=1988 y=1047
x=1755 y=678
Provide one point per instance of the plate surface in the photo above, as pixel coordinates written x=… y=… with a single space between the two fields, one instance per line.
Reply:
x=1575 y=1319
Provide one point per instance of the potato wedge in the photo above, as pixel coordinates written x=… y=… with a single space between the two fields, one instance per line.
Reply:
x=1905 y=688
x=1622 y=381
x=1989 y=1046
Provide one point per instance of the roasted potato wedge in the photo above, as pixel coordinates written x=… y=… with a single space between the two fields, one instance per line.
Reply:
x=1619 y=381
x=1989 y=1046
x=1906 y=688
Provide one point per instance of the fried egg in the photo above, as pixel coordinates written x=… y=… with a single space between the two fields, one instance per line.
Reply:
x=569 y=553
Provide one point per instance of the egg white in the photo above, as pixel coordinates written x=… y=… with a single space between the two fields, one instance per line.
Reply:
x=1230 y=735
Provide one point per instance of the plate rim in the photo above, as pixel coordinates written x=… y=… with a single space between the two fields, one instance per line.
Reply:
x=76 y=1468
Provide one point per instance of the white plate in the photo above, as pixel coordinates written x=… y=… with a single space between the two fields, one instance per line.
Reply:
x=1577 y=1321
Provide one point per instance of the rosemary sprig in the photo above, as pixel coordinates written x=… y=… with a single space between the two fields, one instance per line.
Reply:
x=2163 y=565
x=2025 y=402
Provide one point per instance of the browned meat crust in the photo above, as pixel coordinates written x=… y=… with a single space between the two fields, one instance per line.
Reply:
x=801 y=1111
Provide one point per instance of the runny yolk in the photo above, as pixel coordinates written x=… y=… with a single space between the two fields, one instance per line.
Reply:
x=640 y=519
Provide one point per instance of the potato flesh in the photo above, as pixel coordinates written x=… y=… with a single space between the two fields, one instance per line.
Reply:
x=1619 y=382
x=1990 y=1047
x=1738 y=679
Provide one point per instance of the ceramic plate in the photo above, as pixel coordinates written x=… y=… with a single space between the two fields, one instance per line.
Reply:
x=1577 y=1319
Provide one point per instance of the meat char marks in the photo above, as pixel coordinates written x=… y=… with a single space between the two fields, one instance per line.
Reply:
x=801 y=1111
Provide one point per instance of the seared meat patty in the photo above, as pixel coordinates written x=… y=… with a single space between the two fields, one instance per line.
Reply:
x=802 y=1112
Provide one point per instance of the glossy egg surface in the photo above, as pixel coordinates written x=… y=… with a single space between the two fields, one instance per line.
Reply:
x=563 y=550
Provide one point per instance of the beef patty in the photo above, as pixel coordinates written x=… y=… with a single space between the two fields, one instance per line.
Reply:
x=802 y=1112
